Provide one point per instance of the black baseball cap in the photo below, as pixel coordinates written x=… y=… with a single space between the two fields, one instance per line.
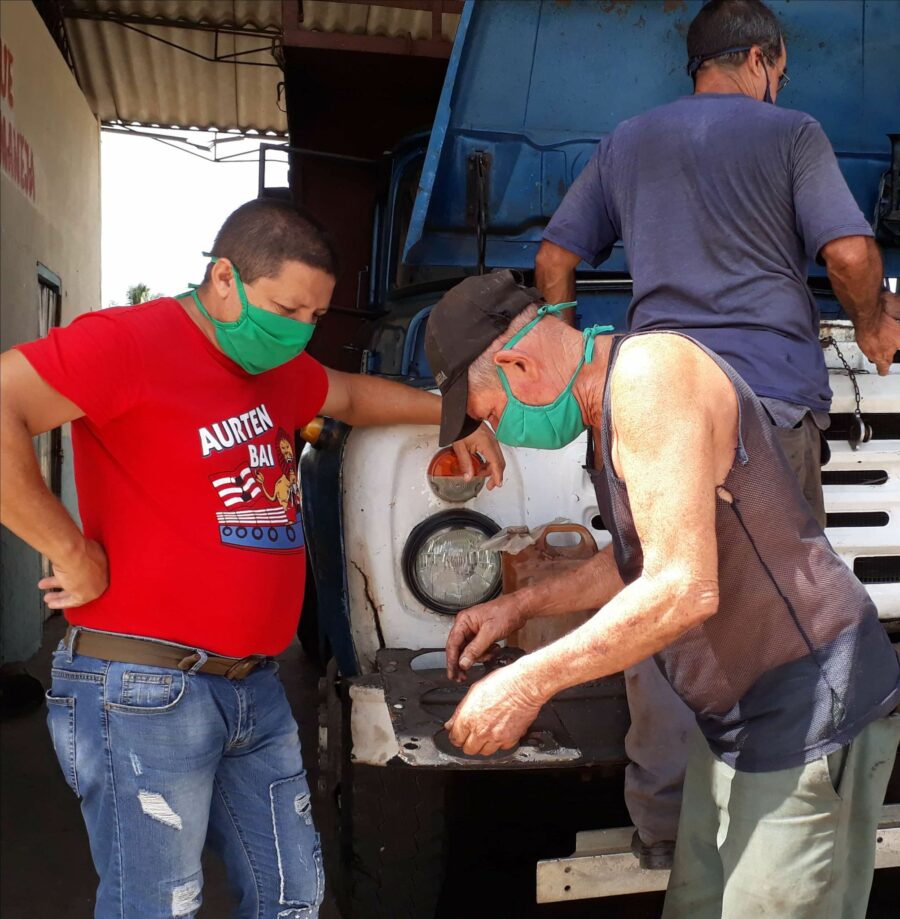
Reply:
x=461 y=326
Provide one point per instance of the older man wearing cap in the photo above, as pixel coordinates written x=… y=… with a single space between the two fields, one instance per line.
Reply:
x=729 y=581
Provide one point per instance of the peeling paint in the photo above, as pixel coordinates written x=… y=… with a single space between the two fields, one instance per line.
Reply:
x=156 y=807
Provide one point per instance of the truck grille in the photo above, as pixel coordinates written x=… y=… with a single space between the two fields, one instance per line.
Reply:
x=859 y=519
x=884 y=426
x=877 y=569
x=854 y=476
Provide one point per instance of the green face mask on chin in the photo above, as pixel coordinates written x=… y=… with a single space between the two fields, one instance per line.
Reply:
x=545 y=427
x=257 y=340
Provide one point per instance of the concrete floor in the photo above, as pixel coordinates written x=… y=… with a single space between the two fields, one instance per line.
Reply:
x=47 y=870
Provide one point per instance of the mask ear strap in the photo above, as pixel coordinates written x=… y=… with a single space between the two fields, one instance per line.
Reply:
x=239 y=284
x=200 y=306
x=505 y=383
x=590 y=336
x=548 y=309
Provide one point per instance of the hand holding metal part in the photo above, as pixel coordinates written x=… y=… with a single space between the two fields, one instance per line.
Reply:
x=496 y=712
x=476 y=630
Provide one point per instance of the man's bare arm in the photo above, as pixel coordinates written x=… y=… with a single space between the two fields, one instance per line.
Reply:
x=668 y=406
x=856 y=272
x=363 y=400
x=27 y=506
x=554 y=275
x=587 y=587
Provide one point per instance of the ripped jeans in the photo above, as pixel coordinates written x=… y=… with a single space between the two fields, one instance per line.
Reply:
x=165 y=762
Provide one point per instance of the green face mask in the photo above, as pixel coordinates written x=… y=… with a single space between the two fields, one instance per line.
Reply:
x=545 y=427
x=257 y=340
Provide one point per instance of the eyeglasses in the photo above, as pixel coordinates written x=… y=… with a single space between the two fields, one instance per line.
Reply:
x=694 y=64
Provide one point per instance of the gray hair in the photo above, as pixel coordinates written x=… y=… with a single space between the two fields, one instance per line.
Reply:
x=482 y=372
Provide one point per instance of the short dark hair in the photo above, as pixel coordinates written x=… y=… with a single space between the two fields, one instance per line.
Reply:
x=722 y=24
x=263 y=234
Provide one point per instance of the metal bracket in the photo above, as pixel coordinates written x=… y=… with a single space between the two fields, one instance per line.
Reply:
x=478 y=190
x=420 y=701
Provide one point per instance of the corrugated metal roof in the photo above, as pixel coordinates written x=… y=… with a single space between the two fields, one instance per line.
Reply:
x=135 y=69
x=208 y=63
x=371 y=19
x=262 y=14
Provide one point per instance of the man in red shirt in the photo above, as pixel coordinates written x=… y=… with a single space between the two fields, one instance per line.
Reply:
x=186 y=576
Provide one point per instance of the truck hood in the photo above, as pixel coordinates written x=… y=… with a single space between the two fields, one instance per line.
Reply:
x=534 y=84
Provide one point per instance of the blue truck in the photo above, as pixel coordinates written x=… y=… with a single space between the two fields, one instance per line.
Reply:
x=395 y=543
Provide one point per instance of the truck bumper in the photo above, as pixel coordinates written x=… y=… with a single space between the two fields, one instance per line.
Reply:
x=602 y=864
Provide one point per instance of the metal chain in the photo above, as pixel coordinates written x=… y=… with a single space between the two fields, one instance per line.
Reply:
x=830 y=342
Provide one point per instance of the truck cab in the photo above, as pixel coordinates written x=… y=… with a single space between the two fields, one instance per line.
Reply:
x=396 y=539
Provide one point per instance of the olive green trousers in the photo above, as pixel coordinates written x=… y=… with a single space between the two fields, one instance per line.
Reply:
x=793 y=844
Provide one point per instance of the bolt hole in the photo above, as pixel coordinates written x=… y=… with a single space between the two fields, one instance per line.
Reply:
x=398 y=705
x=597 y=522
x=410 y=746
x=402 y=698
x=567 y=888
x=568 y=870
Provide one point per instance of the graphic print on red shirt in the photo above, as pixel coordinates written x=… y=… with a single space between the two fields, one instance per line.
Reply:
x=186 y=473
x=252 y=518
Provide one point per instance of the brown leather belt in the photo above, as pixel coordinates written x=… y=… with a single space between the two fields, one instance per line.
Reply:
x=126 y=650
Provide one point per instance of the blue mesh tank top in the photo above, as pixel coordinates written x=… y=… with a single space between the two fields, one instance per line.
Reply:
x=795 y=662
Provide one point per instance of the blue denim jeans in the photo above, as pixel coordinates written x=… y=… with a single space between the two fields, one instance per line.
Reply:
x=165 y=762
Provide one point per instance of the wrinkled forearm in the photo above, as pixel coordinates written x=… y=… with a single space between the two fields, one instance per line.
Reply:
x=640 y=620
x=585 y=588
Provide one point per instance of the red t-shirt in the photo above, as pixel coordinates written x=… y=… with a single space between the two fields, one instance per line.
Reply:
x=187 y=475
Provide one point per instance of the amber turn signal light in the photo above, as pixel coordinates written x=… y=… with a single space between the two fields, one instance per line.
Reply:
x=446 y=477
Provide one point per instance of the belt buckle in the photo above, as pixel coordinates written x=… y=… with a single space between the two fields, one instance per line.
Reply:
x=240 y=669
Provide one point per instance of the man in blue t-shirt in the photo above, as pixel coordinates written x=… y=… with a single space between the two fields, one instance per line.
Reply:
x=721 y=200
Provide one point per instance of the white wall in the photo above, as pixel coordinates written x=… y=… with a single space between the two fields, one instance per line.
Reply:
x=49 y=213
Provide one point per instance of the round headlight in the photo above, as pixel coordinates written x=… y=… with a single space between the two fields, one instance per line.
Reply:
x=444 y=565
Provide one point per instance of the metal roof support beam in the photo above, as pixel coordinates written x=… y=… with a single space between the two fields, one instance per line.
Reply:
x=216 y=58
x=296 y=36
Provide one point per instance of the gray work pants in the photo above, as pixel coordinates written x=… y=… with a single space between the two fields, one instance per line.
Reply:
x=793 y=844
x=662 y=726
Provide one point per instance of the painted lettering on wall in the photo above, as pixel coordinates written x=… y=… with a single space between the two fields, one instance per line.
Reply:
x=16 y=154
